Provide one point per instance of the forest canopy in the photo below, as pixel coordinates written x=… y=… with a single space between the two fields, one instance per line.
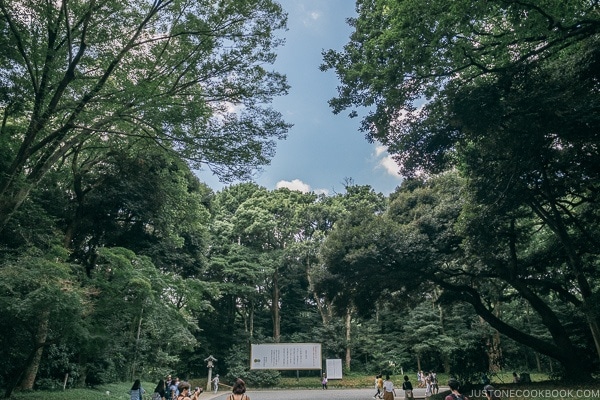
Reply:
x=117 y=262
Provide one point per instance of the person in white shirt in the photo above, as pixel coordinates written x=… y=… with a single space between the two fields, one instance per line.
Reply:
x=388 y=389
x=215 y=383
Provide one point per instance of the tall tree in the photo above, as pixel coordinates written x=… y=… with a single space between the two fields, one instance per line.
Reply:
x=509 y=94
x=189 y=76
x=41 y=305
x=361 y=206
x=268 y=222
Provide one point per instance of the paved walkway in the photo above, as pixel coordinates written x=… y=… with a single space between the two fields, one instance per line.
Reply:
x=312 y=394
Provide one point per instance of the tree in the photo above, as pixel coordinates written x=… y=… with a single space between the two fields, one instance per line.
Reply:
x=509 y=92
x=419 y=242
x=142 y=319
x=360 y=204
x=402 y=53
x=268 y=222
x=187 y=76
x=41 y=305
x=138 y=198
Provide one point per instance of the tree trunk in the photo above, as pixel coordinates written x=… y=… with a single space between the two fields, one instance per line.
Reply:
x=538 y=362
x=595 y=329
x=493 y=347
x=40 y=340
x=555 y=221
x=275 y=309
x=8 y=206
x=137 y=345
x=348 y=336
x=562 y=349
x=322 y=305
x=251 y=317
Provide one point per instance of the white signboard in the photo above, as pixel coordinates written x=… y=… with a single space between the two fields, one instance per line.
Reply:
x=334 y=368
x=286 y=356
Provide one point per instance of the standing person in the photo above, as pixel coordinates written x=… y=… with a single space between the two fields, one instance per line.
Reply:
x=454 y=393
x=168 y=382
x=159 y=391
x=215 y=383
x=378 y=394
x=380 y=385
x=490 y=393
x=408 y=389
x=516 y=378
x=136 y=391
x=434 y=383
x=376 y=389
x=174 y=388
x=388 y=389
x=239 y=391
x=186 y=394
x=427 y=385
x=324 y=382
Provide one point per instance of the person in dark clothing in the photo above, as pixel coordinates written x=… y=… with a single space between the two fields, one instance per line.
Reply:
x=408 y=389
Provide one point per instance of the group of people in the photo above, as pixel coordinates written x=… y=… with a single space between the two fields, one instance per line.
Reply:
x=386 y=391
x=167 y=389
x=429 y=381
x=385 y=388
x=174 y=389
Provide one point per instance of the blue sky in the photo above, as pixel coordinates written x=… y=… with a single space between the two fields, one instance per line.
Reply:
x=322 y=149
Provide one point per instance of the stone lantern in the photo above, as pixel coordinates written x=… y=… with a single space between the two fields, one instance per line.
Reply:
x=210 y=363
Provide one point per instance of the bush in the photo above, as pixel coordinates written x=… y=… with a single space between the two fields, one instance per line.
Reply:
x=256 y=378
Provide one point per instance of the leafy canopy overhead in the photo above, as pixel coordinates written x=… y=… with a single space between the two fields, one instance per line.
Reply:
x=408 y=60
x=190 y=77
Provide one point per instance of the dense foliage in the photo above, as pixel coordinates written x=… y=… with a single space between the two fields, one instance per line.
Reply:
x=117 y=263
x=506 y=92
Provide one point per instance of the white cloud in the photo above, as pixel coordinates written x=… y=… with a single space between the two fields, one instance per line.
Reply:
x=390 y=165
x=385 y=161
x=314 y=15
x=310 y=17
x=379 y=150
x=300 y=186
x=296 y=184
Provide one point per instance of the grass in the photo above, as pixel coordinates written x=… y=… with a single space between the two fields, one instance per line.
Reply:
x=540 y=389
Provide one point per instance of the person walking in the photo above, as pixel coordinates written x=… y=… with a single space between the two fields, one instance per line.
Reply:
x=324 y=382
x=408 y=389
x=435 y=388
x=427 y=380
x=490 y=392
x=388 y=389
x=136 y=391
x=159 y=391
x=215 y=383
x=378 y=387
x=168 y=382
x=454 y=393
x=174 y=388
x=239 y=391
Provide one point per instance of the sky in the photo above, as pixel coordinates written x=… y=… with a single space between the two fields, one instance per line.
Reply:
x=322 y=150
